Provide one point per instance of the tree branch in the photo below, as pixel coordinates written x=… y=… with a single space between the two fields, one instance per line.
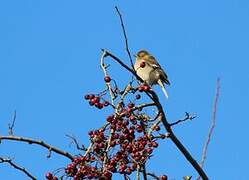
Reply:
x=12 y=125
x=125 y=36
x=74 y=140
x=210 y=132
x=153 y=175
x=9 y=161
x=144 y=171
x=40 y=143
x=187 y=117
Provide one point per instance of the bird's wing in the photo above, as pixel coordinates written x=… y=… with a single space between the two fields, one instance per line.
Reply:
x=153 y=63
x=163 y=76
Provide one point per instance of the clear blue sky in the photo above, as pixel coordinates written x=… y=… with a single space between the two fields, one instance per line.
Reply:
x=49 y=58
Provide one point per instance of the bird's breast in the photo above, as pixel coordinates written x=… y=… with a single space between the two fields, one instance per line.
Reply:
x=144 y=73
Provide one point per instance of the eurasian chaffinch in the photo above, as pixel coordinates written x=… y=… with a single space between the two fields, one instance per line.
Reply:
x=148 y=69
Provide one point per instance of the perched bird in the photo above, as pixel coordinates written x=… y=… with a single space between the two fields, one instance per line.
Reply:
x=148 y=69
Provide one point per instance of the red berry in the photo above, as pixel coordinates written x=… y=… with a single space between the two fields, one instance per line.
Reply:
x=146 y=88
x=129 y=170
x=49 y=176
x=99 y=105
x=107 y=174
x=156 y=128
x=110 y=118
x=131 y=105
x=87 y=96
x=139 y=128
x=113 y=143
x=164 y=177
x=138 y=96
x=154 y=144
x=141 y=88
x=132 y=118
x=142 y=64
x=106 y=103
x=95 y=99
x=91 y=103
x=107 y=79
x=149 y=150
x=91 y=96
x=90 y=133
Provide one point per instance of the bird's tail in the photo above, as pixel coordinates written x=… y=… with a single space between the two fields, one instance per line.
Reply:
x=163 y=88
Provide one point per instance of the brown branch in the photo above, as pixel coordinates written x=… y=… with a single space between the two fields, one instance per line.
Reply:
x=125 y=36
x=153 y=175
x=74 y=140
x=12 y=125
x=205 y=148
x=138 y=172
x=144 y=171
x=9 y=161
x=141 y=106
x=103 y=66
x=187 y=117
x=40 y=143
x=153 y=96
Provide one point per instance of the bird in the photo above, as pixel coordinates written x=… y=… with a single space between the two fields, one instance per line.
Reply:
x=150 y=71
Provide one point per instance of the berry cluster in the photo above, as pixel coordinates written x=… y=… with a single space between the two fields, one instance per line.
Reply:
x=96 y=101
x=80 y=168
x=50 y=176
x=122 y=146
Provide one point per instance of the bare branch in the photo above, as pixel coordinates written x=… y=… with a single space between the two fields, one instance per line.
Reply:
x=138 y=172
x=187 y=117
x=9 y=161
x=40 y=143
x=82 y=148
x=141 y=106
x=205 y=148
x=11 y=125
x=125 y=36
x=144 y=171
x=103 y=66
x=153 y=175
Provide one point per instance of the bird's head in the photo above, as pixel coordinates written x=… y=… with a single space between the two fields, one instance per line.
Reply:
x=142 y=54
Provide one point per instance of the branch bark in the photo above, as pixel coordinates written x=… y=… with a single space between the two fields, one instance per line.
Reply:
x=9 y=161
x=125 y=36
x=210 y=132
x=40 y=143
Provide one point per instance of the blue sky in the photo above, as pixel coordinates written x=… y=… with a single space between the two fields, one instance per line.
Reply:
x=49 y=58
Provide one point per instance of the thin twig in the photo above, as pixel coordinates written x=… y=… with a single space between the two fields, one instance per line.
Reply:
x=138 y=172
x=88 y=149
x=125 y=36
x=40 y=143
x=9 y=161
x=210 y=132
x=12 y=125
x=144 y=172
x=153 y=175
x=141 y=106
x=103 y=66
x=187 y=117
x=82 y=148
